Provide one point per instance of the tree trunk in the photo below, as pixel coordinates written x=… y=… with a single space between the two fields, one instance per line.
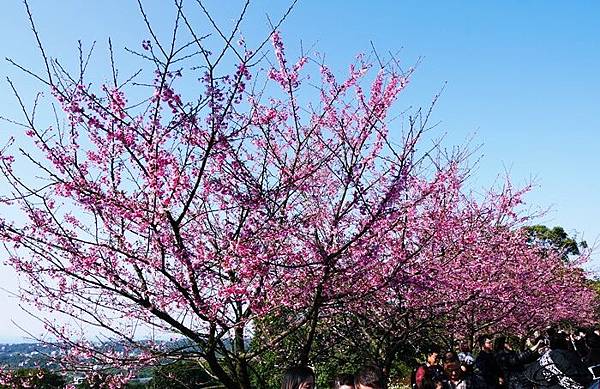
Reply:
x=217 y=370
x=241 y=364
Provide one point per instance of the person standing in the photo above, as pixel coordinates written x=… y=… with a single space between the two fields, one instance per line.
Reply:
x=512 y=363
x=430 y=374
x=558 y=367
x=485 y=363
x=455 y=376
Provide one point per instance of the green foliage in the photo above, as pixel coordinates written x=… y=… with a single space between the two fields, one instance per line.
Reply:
x=268 y=370
x=272 y=364
x=138 y=385
x=341 y=346
x=595 y=286
x=185 y=374
x=35 y=378
x=555 y=239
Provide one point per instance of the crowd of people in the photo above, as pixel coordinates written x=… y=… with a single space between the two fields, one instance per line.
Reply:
x=550 y=360
x=554 y=359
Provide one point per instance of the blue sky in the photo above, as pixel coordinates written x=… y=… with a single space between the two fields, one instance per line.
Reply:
x=521 y=79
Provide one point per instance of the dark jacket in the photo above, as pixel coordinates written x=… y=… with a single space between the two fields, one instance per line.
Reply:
x=487 y=367
x=474 y=381
x=558 y=369
x=592 y=358
x=512 y=364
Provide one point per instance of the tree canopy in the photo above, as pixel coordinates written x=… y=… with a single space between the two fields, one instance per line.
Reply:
x=554 y=239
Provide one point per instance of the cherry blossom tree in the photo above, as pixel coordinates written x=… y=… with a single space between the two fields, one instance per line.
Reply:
x=283 y=193
x=195 y=217
x=499 y=282
x=479 y=274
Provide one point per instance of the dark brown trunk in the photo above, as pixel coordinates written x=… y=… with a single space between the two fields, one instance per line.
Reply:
x=217 y=370
x=312 y=330
x=241 y=364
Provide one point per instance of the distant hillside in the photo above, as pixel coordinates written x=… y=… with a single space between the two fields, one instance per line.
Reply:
x=27 y=354
x=39 y=355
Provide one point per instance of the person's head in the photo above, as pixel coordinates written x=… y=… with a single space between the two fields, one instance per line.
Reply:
x=486 y=343
x=464 y=347
x=298 y=377
x=433 y=355
x=450 y=356
x=592 y=341
x=344 y=381
x=500 y=343
x=369 y=377
x=557 y=341
x=453 y=370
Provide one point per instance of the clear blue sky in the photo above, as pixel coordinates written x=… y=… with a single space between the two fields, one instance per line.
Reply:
x=522 y=79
